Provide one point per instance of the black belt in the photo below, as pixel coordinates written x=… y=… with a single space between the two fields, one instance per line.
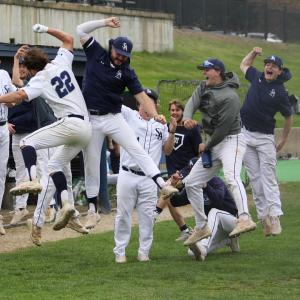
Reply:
x=2 y=123
x=72 y=116
x=94 y=112
x=133 y=171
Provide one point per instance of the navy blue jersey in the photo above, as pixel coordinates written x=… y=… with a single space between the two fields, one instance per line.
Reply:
x=263 y=100
x=186 y=146
x=104 y=82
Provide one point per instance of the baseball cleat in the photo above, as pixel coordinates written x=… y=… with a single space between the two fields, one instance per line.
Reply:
x=63 y=216
x=93 y=219
x=31 y=187
x=35 y=233
x=275 y=225
x=242 y=226
x=266 y=224
x=197 y=235
x=18 y=216
x=76 y=225
x=120 y=259
x=199 y=251
x=143 y=257
x=50 y=214
x=184 y=235
x=168 y=191
x=234 y=244
x=2 y=230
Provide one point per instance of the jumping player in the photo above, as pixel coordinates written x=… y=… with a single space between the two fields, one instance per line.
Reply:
x=107 y=75
x=55 y=82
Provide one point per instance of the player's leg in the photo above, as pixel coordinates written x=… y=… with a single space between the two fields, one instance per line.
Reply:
x=21 y=176
x=231 y=152
x=4 y=153
x=126 y=199
x=268 y=161
x=145 y=206
x=92 y=158
x=122 y=134
x=194 y=182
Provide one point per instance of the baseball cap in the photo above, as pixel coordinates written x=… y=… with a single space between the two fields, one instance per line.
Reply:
x=123 y=46
x=212 y=63
x=152 y=94
x=275 y=60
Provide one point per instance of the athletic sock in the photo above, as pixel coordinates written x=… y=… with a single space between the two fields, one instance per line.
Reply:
x=93 y=204
x=60 y=182
x=29 y=156
x=184 y=228
x=158 y=210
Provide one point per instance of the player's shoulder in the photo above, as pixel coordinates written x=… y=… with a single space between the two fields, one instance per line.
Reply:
x=4 y=73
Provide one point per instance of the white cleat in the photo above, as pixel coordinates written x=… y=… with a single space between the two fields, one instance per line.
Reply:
x=242 y=226
x=120 y=259
x=93 y=219
x=197 y=235
x=18 y=216
x=275 y=226
x=199 y=251
x=234 y=244
x=2 y=230
x=50 y=214
x=143 y=257
x=76 y=225
x=168 y=191
x=31 y=187
x=35 y=233
x=63 y=216
x=266 y=224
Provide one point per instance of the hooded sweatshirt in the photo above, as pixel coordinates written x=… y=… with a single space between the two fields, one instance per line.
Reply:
x=263 y=100
x=220 y=108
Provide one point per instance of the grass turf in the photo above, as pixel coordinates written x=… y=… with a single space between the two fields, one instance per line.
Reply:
x=192 y=48
x=84 y=268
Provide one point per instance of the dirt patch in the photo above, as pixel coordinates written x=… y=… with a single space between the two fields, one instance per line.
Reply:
x=18 y=237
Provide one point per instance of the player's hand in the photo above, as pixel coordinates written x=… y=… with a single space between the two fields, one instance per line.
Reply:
x=189 y=123
x=280 y=145
x=113 y=22
x=202 y=147
x=39 y=28
x=11 y=128
x=21 y=51
x=173 y=124
x=257 y=51
x=160 y=119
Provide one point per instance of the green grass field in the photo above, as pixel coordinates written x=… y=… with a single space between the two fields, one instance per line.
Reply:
x=191 y=49
x=84 y=268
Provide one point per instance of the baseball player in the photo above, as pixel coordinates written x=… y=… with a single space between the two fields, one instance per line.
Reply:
x=134 y=189
x=186 y=147
x=107 y=75
x=220 y=107
x=55 y=82
x=266 y=96
x=6 y=86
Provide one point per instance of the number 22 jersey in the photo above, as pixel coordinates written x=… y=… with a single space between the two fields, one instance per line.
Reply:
x=57 y=84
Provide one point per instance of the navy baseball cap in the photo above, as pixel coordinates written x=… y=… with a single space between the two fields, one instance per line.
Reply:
x=123 y=46
x=212 y=63
x=275 y=60
x=152 y=94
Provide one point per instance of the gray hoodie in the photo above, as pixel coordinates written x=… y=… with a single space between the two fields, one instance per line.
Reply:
x=220 y=109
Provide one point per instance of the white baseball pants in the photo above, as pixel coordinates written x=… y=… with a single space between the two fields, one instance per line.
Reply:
x=117 y=128
x=43 y=155
x=229 y=155
x=221 y=224
x=4 y=154
x=140 y=192
x=260 y=163
x=72 y=134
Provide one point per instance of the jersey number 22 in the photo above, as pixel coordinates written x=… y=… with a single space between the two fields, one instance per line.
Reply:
x=63 y=84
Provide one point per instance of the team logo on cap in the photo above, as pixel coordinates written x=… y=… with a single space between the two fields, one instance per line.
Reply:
x=149 y=91
x=124 y=47
x=207 y=64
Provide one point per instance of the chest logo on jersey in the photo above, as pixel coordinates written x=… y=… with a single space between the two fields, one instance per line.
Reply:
x=272 y=93
x=179 y=138
x=119 y=74
x=158 y=134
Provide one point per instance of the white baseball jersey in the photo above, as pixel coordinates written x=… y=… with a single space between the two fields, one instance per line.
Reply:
x=57 y=84
x=5 y=87
x=148 y=134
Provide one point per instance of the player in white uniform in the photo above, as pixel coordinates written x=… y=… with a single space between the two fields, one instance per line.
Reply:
x=55 y=82
x=5 y=87
x=134 y=188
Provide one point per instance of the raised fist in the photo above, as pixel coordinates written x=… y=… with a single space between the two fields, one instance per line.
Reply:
x=39 y=28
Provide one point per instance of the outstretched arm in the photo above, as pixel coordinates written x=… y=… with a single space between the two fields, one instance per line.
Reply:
x=83 y=30
x=249 y=58
x=65 y=37
x=14 y=97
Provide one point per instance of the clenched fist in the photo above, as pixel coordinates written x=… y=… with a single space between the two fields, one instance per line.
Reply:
x=39 y=28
